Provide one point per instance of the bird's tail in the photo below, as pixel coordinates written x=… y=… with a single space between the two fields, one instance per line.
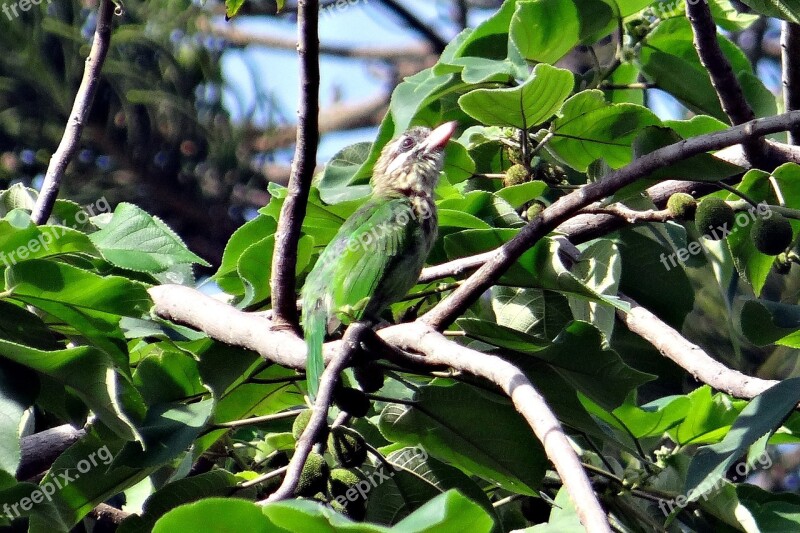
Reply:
x=314 y=326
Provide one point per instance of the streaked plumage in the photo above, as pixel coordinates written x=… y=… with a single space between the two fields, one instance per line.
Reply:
x=378 y=253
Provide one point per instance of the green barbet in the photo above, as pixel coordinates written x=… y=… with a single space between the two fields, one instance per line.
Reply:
x=378 y=253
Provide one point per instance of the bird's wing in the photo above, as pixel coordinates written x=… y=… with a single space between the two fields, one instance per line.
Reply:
x=367 y=274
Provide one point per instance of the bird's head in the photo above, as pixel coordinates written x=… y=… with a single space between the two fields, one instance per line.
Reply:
x=410 y=164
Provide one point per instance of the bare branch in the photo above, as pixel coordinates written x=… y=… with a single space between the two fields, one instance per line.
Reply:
x=565 y=207
x=241 y=38
x=790 y=62
x=689 y=356
x=527 y=401
x=38 y=451
x=319 y=416
x=293 y=211
x=77 y=117
x=719 y=68
x=629 y=215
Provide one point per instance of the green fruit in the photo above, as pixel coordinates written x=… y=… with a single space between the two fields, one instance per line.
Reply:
x=714 y=218
x=771 y=235
x=682 y=205
x=534 y=210
x=514 y=155
x=369 y=377
x=343 y=479
x=300 y=423
x=515 y=175
x=352 y=401
x=314 y=477
x=347 y=447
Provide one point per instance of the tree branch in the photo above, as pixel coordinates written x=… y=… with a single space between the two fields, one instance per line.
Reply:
x=790 y=62
x=723 y=78
x=527 y=401
x=501 y=259
x=689 y=356
x=78 y=116
x=284 y=258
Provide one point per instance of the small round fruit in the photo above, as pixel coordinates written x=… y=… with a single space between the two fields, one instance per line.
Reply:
x=369 y=377
x=300 y=423
x=515 y=175
x=349 y=448
x=343 y=479
x=314 y=477
x=682 y=205
x=771 y=235
x=714 y=218
x=352 y=401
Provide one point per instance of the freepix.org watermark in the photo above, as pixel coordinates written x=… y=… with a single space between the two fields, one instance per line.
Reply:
x=363 y=487
x=743 y=218
x=12 y=10
x=46 y=239
x=58 y=482
x=339 y=5
x=705 y=490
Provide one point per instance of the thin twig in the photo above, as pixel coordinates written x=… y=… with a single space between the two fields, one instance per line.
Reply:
x=253 y=421
x=790 y=63
x=725 y=83
x=293 y=210
x=319 y=416
x=565 y=207
x=436 y=41
x=630 y=215
x=77 y=117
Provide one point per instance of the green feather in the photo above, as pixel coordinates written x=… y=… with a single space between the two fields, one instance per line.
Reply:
x=373 y=261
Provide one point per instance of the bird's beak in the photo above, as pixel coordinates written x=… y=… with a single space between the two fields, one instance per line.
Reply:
x=438 y=138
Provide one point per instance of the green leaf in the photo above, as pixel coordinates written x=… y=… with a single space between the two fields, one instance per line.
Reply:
x=218 y=514
x=540 y=313
x=782 y=9
x=501 y=336
x=563 y=516
x=708 y=419
x=218 y=483
x=522 y=107
x=762 y=416
x=167 y=431
x=167 y=374
x=587 y=128
x=138 y=241
x=250 y=232
x=84 y=477
x=545 y=30
x=578 y=355
x=764 y=322
x=90 y=374
x=417 y=478
x=18 y=390
x=450 y=422
x=519 y=195
x=599 y=269
x=447 y=513
x=339 y=172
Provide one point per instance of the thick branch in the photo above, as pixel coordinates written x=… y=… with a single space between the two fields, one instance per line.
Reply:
x=689 y=356
x=77 y=117
x=293 y=211
x=790 y=62
x=38 y=451
x=527 y=401
x=565 y=207
x=719 y=68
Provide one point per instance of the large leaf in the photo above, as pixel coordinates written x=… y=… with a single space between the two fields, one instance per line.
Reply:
x=471 y=430
x=522 y=107
x=588 y=128
x=545 y=30
x=783 y=9
x=91 y=375
x=761 y=417
x=138 y=241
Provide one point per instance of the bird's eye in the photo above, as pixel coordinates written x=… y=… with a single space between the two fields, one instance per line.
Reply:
x=407 y=144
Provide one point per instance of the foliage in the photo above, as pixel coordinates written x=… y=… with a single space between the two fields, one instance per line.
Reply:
x=79 y=344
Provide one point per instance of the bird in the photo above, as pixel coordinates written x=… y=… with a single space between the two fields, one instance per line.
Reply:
x=379 y=251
